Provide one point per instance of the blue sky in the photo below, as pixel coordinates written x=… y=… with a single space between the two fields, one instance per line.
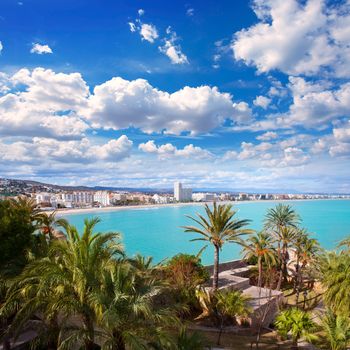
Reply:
x=218 y=94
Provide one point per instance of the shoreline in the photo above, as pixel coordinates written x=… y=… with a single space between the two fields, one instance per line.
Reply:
x=66 y=211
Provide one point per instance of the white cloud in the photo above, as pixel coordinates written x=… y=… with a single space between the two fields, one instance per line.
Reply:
x=148 y=32
x=229 y=155
x=77 y=151
x=44 y=104
x=173 y=50
x=262 y=101
x=269 y=135
x=119 y=104
x=342 y=134
x=297 y=38
x=48 y=104
x=166 y=150
x=294 y=156
x=272 y=155
x=1 y=47
x=141 y=12
x=132 y=26
x=41 y=49
x=336 y=144
x=314 y=105
x=190 y=12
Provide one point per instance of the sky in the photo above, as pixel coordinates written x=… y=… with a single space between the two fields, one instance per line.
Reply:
x=236 y=95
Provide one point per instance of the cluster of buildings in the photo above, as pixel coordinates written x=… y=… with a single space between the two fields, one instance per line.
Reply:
x=88 y=199
x=52 y=196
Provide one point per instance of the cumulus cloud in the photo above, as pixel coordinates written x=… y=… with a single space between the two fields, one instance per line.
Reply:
x=172 y=49
x=190 y=12
x=337 y=144
x=41 y=49
x=297 y=38
x=43 y=103
x=1 y=47
x=262 y=101
x=342 y=134
x=315 y=104
x=166 y=150
x=73 y=151
x=119 y=104
x=294 y=156
x=141 y=12
x=270 y=155
x=148 y=32
x=269 y=135
x=132 y=26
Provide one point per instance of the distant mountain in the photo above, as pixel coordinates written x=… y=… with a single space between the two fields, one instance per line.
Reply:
x=31 y=183
x=42 y=185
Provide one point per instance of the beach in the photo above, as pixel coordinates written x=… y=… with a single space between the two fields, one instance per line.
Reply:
x=69 y=211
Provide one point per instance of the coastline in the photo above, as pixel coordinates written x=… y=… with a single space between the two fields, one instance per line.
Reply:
x=66 y=211
x=60 y=212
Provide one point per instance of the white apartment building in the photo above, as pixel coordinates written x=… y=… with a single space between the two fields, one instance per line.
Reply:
x=43 y=197
x=102 y=197
x=83 y=197
x=76 y=198
x=203 y=197
x=182 y=194
x=160 y=199
x=115 y=197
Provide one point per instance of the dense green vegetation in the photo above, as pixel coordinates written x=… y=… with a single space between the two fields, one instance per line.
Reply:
x=78 y=290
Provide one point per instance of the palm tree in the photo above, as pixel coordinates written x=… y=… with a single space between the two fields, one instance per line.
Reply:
x=345 y=244
x=219 y=228
x=29 y=208
x=231 y=304
x=261 y=247
x=335 y=279
x=306 y=250
x=296 y=323
x=65 y=280
x=49 y=222
x=282 y=222
x=126 y=312
x=335 y=331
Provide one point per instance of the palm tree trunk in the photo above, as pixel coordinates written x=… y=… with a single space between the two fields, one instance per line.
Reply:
x=260 y=276
x=294 y=344
x=221 y=329
x=216 y=268
x=280 y=274
x=284 y=264
x=279 y=283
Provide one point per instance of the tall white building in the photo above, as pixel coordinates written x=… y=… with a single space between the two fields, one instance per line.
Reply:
x=182 y=194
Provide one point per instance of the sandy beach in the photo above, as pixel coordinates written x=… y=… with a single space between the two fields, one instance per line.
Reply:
x=61 y=212
x=67 y=211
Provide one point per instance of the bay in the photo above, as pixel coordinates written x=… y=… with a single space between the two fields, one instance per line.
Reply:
x=158 y=232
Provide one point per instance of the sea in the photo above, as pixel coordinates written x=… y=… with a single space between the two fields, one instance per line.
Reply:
x=158 y=231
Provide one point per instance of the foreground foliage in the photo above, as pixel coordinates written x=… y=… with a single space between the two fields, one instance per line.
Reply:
x=296 y=323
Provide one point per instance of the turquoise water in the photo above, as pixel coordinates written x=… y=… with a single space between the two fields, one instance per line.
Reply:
x=157 y=231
